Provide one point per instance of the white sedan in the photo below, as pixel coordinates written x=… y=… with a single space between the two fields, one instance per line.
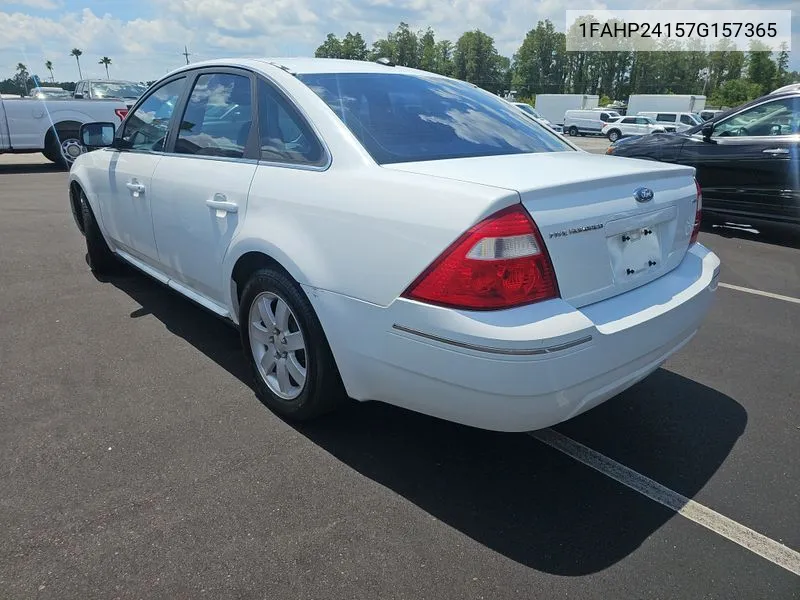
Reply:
x=389 y=234
x=624 y=126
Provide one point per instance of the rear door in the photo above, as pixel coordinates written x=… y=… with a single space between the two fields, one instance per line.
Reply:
x=749 y=166
x=200 y=187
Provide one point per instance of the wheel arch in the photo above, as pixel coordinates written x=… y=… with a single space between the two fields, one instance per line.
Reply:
x=58 y=129
x=248 y=257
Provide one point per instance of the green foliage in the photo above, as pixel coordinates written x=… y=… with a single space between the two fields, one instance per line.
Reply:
x=330 y=48
x=761 y=69
x=475 y=59
x=735 y=92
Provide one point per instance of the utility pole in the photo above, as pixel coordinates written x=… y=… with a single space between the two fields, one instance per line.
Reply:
x=186 y=54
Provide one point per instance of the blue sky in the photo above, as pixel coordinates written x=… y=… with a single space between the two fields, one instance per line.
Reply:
x=144 y=38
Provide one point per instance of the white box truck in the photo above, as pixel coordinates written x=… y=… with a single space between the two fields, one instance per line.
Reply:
x=553 y=106
x=641 y=103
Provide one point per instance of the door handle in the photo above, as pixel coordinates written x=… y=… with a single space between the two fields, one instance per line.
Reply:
x=136 y=188
x=220 y=202
x=776 y=151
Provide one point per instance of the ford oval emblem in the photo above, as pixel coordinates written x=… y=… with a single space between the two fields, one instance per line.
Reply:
x=643 y=194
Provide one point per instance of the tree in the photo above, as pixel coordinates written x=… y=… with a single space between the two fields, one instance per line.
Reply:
x=21 y=78
x=443 y=61
x=353 y=47
x=427 y=51
x=49 y=66
x=539 y=64
x=330 y=48
x=406 y=47
x=760 y=68
x=735 y=92
x=76 y=52
x=782 y=64
x=475 y=59
x=105 y=61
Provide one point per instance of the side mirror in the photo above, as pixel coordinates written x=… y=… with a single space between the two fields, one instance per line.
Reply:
x=78 y=96
x=97 y=135
x=708 y=129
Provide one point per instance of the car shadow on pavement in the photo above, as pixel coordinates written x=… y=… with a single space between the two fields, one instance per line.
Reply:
x=509 y=492
x=23 y=168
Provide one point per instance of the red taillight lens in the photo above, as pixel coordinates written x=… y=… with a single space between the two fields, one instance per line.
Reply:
x=698 y=215
x=121 y=113
x=499 y=263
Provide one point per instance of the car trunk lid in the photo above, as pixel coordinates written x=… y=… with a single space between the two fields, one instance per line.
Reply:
x=602 y=238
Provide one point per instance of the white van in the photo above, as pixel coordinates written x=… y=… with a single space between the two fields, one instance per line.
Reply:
x=587 y=121
x=680 y=120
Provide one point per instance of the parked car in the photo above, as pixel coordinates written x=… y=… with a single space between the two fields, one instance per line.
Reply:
x=51 y=127
x=391 y=234
x=678 y=121
x=625 y=126
x=104 y=89
x=582 y=122
x=532 y=113
x=746 y=159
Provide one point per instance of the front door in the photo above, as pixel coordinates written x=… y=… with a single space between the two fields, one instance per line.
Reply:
x=200 y=188
x=749 y=165
x=128 y=207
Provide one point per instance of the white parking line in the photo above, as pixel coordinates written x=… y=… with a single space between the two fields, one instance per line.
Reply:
x=773 y=551
x=760 y=293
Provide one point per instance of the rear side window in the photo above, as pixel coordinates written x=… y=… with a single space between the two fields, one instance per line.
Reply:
x=285 y=137
x=403 y=118
x=666 y=117
x=218 y=117
x=629 y=120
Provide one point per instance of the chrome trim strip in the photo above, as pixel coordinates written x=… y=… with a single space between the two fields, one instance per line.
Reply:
x=492 y=349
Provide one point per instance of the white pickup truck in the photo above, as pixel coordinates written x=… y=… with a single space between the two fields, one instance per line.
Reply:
x=52 y=126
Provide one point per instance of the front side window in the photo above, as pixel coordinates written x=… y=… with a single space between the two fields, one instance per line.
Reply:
x=402 y=118
x=218 y=117
x=779 y=117
x=146 y=127
x=666 y=117
x=285 y=137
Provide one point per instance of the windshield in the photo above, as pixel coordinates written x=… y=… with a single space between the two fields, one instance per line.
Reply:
x=117 y=89
x=530 y=110
x=405 y=118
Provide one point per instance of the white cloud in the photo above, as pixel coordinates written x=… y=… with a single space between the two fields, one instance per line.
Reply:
x=147 y=47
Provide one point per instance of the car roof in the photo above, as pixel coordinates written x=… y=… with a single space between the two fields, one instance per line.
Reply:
x=303 y=66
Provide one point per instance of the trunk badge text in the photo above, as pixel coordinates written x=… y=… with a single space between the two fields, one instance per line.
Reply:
x=643 y=194
x=571 y=230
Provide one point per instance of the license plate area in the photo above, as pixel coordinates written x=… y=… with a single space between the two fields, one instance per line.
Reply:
x=635 y=252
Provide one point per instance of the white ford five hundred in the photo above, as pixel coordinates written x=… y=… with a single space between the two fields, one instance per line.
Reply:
x=388 y=234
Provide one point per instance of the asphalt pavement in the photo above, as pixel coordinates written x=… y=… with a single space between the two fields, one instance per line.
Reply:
x=138 y=463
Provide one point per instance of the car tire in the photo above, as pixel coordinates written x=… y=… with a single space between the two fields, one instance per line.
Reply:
x=573 y=131
x=101 y=259
x=614 y=135
x=277 y=366
x=53 y=150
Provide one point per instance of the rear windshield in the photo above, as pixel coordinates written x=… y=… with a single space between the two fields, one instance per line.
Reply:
x=404 y=118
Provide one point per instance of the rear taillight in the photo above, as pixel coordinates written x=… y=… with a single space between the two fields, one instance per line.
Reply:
x=698 y=215
x=499 y=263
x=121 y=113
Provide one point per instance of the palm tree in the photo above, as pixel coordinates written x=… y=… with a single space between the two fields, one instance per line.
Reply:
x=49 y=66
x=105 y=61
x=76 y=52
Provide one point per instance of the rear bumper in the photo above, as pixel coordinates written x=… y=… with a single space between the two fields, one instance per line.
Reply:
x=519 y=369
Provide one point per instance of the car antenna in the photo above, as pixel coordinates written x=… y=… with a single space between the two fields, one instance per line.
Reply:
x=386 y=62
